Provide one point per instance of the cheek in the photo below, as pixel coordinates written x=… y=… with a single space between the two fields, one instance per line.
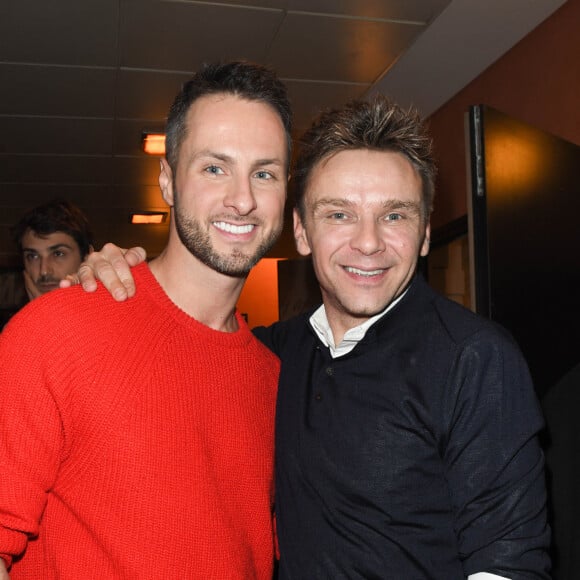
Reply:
x=278 y=202
x=68 y=266
x=404 y=242
x=279 y=213
x=31 y=267
x=323 y=251
x=271 y=204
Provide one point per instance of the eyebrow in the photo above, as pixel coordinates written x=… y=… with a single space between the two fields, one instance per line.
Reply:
x=50 y=248
x=399 y=204
x=390 y=204
x=326 y=201
x=229 y=159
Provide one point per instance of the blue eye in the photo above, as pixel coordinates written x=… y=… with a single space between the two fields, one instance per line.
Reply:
x=393 y=217
x=264 y=175
x=214 y=170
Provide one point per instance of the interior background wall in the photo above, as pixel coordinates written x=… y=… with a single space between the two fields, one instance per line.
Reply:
x=537 y=81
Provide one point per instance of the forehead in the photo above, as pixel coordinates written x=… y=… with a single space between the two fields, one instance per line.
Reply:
x=33 y=241
x=225 y=121
x=364 y=175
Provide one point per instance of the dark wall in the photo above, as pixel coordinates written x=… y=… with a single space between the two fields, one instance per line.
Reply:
x=537 y=81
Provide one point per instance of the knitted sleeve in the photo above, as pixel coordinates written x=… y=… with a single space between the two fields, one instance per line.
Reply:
x=31 y=433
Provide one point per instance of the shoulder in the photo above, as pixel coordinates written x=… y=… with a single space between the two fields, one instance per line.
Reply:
x=486 y=365
x=480 y=339
x=259 y=348
x=71 y=315
x=59 y=307
x=281 y=336
x=459 y=324
x=449 y=338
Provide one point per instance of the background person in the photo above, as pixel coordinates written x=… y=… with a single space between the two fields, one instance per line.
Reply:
x=53 y=240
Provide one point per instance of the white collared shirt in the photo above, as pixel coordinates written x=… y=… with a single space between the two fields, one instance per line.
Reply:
x=352 y=336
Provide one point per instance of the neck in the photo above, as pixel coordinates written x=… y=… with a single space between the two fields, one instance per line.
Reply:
x=202 y=293
x=340 y=327
x=339 y=321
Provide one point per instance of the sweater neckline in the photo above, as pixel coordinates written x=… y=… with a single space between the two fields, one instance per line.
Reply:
x=145 y=281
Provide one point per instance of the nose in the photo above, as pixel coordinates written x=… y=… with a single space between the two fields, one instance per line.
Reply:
x=45 y=266
x=240 y=196
x=367 y=238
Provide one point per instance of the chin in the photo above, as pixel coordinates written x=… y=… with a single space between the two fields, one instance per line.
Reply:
x=365 y=313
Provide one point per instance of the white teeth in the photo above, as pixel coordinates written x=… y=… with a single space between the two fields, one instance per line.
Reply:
x=232 y=229
x=363 y=272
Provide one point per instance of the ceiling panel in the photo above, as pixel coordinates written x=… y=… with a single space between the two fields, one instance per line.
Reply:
x=146 y=94
x=267 y=4
x=345 y=49
x=308 y=98
x=411 y=10
x=33 y=135
x=76 y=32
x=57 y=91
x=180 y=36
x=39 y=169
x=81 y=79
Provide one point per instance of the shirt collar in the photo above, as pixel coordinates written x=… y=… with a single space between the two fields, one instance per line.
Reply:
x=352 y=337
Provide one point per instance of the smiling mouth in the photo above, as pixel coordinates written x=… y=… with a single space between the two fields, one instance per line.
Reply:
x=233 y=229
x=364 y=273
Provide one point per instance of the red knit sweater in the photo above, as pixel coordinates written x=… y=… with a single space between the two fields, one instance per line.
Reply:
x=135 y=442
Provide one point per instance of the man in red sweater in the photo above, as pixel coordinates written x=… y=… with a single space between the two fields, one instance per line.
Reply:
x=138 y=438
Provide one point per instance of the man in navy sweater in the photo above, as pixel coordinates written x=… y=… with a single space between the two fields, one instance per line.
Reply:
x=406 y=442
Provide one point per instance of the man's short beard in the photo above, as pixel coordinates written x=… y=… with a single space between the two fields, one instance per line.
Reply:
x=198 y=243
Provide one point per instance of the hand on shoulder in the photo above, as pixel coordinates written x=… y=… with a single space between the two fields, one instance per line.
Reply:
x=112 y=266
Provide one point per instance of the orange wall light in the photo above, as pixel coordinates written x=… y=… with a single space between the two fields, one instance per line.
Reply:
x=153 y=143
x=148 y=217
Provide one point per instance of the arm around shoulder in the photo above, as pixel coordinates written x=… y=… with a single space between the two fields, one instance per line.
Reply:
x=112 y=266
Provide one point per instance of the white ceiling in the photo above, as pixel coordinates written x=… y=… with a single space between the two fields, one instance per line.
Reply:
x=80 y=80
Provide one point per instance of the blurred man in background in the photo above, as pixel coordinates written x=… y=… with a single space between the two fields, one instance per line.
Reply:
x=53 y=240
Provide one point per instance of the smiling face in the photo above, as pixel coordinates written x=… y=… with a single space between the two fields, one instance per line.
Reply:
x=230 y=187
x=49 y=258
x=364 y=226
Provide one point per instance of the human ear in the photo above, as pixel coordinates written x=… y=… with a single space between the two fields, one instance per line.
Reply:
x=426 y=240
x=166 y=182
x=300 y=236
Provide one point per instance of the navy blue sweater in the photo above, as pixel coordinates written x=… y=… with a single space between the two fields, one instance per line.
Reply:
x=415 y=456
